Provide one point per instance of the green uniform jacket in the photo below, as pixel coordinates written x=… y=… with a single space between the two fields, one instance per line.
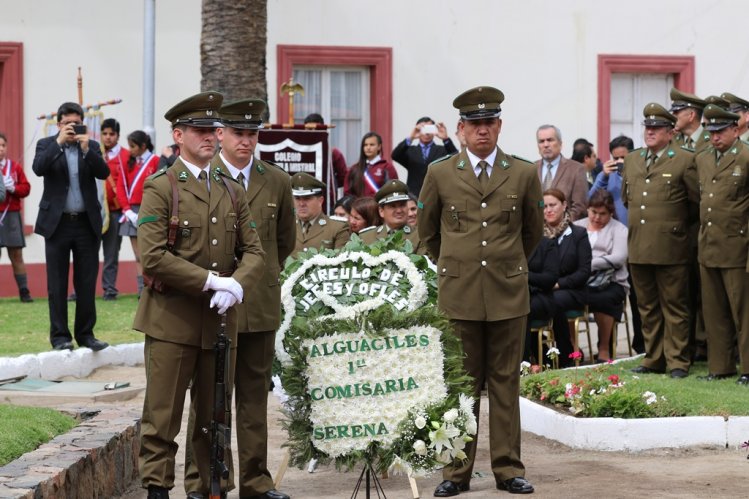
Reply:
x=660 y=202
x=703 y=141
x=272 y=208
x=205 y=241
x=325 y=233
x=481 y=240
x=372 y=234
x=724 y=207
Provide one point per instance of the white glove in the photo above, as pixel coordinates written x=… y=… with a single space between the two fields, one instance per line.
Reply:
x=224 y=300
x=229 y=284
x=132 y=216
x=10 y=186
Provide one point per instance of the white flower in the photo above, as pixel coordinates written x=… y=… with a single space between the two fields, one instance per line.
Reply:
x=458 y=443
x=450 y=416
x=420 y=448
x=399 y=467
x=420 y=422
x=472 y=426
x=552 y=353
x=524 y=366
x=650 y=397
x=441 y=437
x=466 y=404
x=444 y=457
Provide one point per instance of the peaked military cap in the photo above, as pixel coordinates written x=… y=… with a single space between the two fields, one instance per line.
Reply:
x=735 y=103
x=717 y=101
x=392 y=191
x=717 y=118
x=200 y=110
x=657 y=115
x=246 y=114
x=682 y=100
x=479 y=103
x=304 y=184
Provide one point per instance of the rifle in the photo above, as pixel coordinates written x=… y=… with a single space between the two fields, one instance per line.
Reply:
x=221 y=421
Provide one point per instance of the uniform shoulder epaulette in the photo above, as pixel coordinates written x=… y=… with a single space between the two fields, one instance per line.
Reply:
x=220 y=171
x=271 y=163
x=367 y=229
x=521 y=159
x=687 y=148
x=710 y=149
x=440 y=160
x=338 y=219
x=158 y=173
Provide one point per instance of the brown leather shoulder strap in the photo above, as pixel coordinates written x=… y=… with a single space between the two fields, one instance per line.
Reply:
x=232 y=194
x=174 y=218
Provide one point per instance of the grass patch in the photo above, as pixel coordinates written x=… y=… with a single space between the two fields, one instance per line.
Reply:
x=675 y=397
x=25 y=326
x=23 y=429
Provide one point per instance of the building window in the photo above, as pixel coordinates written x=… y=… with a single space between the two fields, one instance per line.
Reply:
x=371 y=66
x=627 y=82
x=341 y=95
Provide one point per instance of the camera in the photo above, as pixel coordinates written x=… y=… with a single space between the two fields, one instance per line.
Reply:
x=79 y=129
x=429 y=128
x=619 y=165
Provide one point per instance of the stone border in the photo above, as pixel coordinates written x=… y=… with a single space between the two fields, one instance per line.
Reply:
x=616 y=434
x=77 y=363
x=97 y=458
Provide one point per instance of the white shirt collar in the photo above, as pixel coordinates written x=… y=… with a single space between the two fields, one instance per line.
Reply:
x=113 y=152
x=374 y=160
x=195 y=170
x=236 y=171
x=475 y=161
x=696 y=135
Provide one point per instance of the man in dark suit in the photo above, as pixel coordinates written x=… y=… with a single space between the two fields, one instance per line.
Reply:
x=70 y=220
x=554 y=170
x=480 y=217
x=416 y=159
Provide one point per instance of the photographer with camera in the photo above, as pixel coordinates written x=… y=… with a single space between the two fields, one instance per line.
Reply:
x=416 y=159
x=70 y=221
x=610 y=178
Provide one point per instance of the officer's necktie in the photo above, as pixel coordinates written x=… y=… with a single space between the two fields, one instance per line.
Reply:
x=240 y=179
x=719 y=155
x=690 y=143
x=483 y=174
x=548 y=178
x=650 y=160
x=305 y=227
x=203 y=178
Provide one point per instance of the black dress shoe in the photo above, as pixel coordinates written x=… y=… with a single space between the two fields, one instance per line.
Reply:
x=449 y=488
x=63 y=345
x=94 y=344
x=271 y=494
x=645 y=370
x=679 y=373
x=25 y=295
x=715 y=377
x=517 y=485
x=743 y=380
x=156 y=492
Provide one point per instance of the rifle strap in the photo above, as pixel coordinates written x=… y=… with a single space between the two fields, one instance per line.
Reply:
x=174 y=218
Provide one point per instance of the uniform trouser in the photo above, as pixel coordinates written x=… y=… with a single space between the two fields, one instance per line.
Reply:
x=662 y=297
x=76 y=237
x=170 y=367
x=251 y=385
x=110 y=245
x=725 y=305
x=493 y=353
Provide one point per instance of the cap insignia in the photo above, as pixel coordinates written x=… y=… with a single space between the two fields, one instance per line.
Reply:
x=210 y=96
x=482 y=105
x=248 y=116
x=208 y=112
x=712 y=120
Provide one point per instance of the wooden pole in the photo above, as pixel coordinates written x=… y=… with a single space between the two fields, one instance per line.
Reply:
x=80 y=86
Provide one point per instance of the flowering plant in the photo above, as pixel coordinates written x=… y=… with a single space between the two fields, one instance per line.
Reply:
x=360 y=371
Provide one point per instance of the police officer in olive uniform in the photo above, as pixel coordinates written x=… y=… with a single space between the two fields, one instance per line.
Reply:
x=480 y=217
x=268 y=193
x=393 y=200
x=660 y=189
x=314 y=229
x=193 y=277
x=687 y=108
x=741 y=107
x=724 y=243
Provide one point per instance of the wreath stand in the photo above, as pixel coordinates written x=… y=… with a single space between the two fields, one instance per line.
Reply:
x=369 y=476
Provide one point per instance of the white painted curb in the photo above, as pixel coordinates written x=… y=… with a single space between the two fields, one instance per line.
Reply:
x=78 y=363
x=616 y=434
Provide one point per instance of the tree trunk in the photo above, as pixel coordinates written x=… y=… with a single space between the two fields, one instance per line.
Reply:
x=232 y=48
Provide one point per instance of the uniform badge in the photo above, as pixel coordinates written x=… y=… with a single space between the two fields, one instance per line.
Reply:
x=322 y=222
x=216 y=177
x=272 y=205
x=183 y=177
x=461 y=165
x=642 y=153
x=379 y=229
x=185 y=232
x=736 y=171
x=260 y=169
x=733 y=151
x=407 y=229
x=253 y=225
x=505 y=164
x=420 y=205
x=670 y=153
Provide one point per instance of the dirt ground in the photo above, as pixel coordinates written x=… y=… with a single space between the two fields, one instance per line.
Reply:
x=554 y=469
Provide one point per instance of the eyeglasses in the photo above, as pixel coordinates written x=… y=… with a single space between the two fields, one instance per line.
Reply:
x=74 y=122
